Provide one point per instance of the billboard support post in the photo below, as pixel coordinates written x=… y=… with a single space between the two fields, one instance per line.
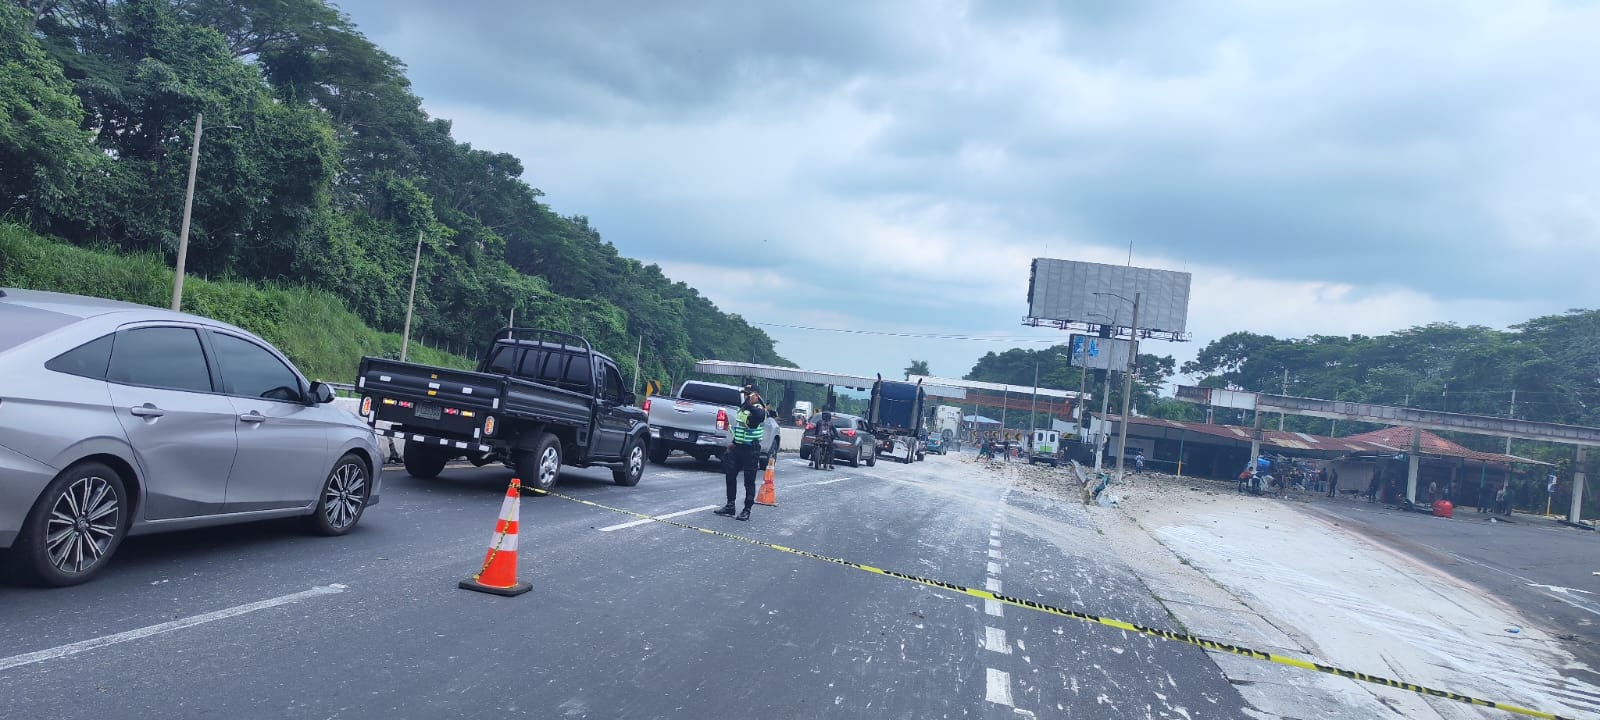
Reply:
x=1127 y=390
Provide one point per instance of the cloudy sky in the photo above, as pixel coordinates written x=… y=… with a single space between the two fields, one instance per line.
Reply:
x=1320 y=167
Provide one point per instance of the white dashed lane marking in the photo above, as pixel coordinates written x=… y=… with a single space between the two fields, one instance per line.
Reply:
x=998 y=684
x=994 y=640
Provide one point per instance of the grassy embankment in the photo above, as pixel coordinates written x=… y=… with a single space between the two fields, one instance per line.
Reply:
x=312 y=327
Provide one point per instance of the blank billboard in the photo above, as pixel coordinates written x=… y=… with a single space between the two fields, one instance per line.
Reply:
x=1076 y=291
x=1098 y=353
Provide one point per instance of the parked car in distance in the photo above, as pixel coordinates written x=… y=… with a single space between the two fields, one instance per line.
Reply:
x=851 y=441
x=119 y=419
x=934 y=444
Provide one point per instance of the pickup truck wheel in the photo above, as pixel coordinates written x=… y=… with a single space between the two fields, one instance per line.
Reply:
x=540 y=466
x=424 y=461
x=632 y=466
x=659 y=453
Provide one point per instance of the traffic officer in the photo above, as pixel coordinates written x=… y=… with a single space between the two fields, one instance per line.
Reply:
x=749 y=427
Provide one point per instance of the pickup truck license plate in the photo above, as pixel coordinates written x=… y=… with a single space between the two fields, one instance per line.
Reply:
x=428 y=412
x=680 y=435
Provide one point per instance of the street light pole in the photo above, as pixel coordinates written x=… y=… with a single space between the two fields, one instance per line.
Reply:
x=1127 y=387
x=188 y=206
x=1034 y=404
x=405 y=335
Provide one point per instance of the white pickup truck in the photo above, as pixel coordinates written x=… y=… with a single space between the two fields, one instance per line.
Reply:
x=698 y=421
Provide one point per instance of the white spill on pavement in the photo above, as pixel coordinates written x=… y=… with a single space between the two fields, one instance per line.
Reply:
x=81 y=646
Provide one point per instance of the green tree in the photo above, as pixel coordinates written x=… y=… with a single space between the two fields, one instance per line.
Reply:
x=917 y=367
x=46 y=159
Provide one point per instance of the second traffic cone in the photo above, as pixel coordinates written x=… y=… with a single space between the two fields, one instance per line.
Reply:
x=499 y=573
x=768 y=495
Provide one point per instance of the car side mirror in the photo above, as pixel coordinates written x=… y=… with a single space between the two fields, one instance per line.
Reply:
x=321 y=393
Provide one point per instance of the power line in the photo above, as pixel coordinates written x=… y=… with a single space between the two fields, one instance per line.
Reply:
x=926 y=336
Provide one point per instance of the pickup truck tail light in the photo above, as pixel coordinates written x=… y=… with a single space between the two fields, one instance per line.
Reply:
x=722 y=419
x=848 y=433
x=366 y=405
x=488 y=426
x=647 y=406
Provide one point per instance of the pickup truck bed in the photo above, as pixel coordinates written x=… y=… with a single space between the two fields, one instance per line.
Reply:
x=433 y=391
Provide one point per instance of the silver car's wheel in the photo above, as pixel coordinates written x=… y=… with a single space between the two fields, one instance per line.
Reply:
x=76 y=525
x=344 y=497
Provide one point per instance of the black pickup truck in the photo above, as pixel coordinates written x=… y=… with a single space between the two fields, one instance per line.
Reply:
x=539 y=399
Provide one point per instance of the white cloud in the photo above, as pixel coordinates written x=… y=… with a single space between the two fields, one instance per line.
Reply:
x=1321 y=167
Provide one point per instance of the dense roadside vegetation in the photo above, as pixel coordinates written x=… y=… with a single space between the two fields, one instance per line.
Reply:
x=312 y=327
x=318 y=170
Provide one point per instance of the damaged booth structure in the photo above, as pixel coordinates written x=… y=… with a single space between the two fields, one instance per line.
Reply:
x=1462 y=475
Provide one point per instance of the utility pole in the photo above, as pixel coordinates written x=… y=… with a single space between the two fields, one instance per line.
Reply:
x=1127 y=385
x=1105 y=403
x=1511 y=416
x=1284 y=391
x=1083 y=385
x=405 y=335
x=636 y=355
x=1034 y=404
x=188 y=207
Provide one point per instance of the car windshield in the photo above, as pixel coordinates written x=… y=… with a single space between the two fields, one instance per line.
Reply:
x=714 y=394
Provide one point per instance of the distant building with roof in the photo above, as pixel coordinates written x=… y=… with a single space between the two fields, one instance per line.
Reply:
x=1222 y=451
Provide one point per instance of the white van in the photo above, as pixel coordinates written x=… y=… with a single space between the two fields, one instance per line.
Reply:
x=802 y=409
x=1044 y=447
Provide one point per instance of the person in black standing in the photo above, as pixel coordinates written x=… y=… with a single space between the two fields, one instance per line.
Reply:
x=749 y=427
x=1331 y=476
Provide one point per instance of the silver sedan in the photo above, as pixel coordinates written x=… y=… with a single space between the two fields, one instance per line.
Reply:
x=119 y=419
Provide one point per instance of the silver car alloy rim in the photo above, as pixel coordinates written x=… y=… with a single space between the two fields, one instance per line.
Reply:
x=347 y=490
x=82 y=525
x=549 y=465
x=636 y=461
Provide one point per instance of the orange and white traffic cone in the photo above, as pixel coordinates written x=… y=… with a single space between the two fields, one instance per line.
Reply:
x=499 y=573
x=768 y=495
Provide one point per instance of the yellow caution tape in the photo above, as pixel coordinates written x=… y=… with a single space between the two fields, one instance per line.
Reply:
x=1108 y=622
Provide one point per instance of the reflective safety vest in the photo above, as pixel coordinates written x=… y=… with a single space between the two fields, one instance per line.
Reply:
x=747 y=435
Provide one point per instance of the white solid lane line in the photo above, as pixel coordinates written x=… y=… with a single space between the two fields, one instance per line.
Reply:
x=637 y=523
x=62 y=651
x=998 y=683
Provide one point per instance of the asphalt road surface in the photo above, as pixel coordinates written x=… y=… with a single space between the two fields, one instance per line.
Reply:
x=626 y=620
x=1550 y=572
